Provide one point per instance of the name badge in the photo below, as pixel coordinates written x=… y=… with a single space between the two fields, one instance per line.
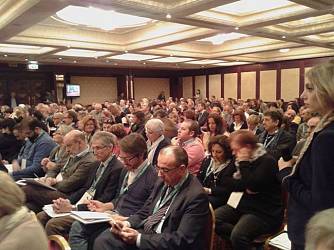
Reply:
x=234 y=199
x=23 y=163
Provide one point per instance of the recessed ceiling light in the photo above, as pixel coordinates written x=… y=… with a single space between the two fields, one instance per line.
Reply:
x=236 y=28
x=68 y=46
x=26 y=59
x=171 y=55
x=98 y=18
x=5 y=55
x=115 y=63
x=284 y=50
x=125 y=51
x=75 y=61
x=60 y=58
x=168 y=16
x=283 y=37
x=144 y=62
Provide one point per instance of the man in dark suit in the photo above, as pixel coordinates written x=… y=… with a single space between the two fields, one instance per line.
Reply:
x=70 y=177
x=135 y=185
x=174 y=217
x=203 y=114
x=155 y=129
x=101 y=185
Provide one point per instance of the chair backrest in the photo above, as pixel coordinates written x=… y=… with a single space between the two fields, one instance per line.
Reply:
x=210 y=229
x=58 y=242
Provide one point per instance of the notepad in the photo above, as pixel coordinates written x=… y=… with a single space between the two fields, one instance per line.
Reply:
x=48 y=209
x=281 y=241
x=87 y=217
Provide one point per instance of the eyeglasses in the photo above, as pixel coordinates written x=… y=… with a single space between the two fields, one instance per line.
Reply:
x=165 y=170
x=97 y=148
x=130 y=158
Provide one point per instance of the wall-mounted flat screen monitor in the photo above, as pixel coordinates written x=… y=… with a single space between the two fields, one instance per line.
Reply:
x=72 y=90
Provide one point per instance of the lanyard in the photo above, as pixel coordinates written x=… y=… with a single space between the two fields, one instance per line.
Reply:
x=267 y=143
x=125 y=187
x=171 y=196
x=97 y=178
x=210 y=169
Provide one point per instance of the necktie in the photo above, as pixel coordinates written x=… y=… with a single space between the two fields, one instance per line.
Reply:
x=99 y=171
x=156 y=217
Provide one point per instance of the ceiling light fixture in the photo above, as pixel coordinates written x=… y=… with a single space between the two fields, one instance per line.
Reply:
x=5 y=55
x=221 y=38
x=98 y=18
x=60 y=58
x=236 y=28
x=75 y=61
x=284 y=50
x=168 y=16
x=283 y=37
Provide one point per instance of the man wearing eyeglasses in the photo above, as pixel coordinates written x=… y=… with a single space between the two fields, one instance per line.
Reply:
x=135 y=185
x=68 y=178
x=174 y=216
x=101 y=185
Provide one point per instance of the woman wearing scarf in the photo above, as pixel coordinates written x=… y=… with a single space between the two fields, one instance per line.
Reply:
x=217 y=166
x=19 y=228
x=310 y=182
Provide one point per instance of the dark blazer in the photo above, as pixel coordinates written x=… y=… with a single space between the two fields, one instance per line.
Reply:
x=202 y=118
x=311 y=186
x=106 y=188
x=283 y=143
x=219 y=193
x=9 y=147
x=165 y=142
x=231 y=127
x=185 y=221
x=137 y=194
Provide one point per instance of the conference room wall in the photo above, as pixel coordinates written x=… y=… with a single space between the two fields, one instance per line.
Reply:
x=150 y=87
x=95 y=89
x=215 y=85
x=200 y=83
x=187 y=87
x=268 y=85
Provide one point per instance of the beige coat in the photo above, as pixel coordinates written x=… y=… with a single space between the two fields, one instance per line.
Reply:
x=24 y=234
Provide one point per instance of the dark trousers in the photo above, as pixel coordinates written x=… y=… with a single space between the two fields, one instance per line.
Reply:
x=37 y=197
x=57 y=225
x=297 y=247
x=107 y=241
x=240 y=228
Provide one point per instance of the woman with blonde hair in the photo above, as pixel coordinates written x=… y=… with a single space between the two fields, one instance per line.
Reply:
x=310 y=181
x=89 y=127
x=19 y=228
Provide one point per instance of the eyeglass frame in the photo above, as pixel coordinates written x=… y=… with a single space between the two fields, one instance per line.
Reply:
x=128 y=159
x=166 y=170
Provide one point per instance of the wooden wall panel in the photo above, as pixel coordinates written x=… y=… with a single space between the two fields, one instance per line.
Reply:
x=289 y=84
x=200 y=83
x=215 y=85
x=95 y=89
x=150 y=87
x=268 y=85
x=248 y=85
x=230 y=85
x=187 y=87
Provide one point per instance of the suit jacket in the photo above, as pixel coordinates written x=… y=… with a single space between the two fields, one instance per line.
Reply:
x=76 y=175
x=202 y=118
x=185 y=221
x=61 y=160
x=105 y=188
x=165 y=142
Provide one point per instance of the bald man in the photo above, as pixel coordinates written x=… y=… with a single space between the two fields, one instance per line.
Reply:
x=69 y=178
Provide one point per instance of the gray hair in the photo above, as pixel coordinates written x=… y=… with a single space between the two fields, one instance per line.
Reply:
x=63 y=129
x=156 y=125
x=320 y=231
x=107 y=139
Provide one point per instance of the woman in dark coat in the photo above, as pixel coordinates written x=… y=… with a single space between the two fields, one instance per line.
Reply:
x=310 y=183
x=217 y=166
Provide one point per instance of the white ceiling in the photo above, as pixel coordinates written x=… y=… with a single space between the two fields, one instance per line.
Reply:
x=306 y=27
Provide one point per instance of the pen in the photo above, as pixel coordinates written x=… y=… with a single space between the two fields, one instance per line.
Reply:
x=36 y=176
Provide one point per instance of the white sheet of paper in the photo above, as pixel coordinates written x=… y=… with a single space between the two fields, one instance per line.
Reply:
x=48 y=209
x=91 y=215
x=9 y=168
x=23 y=163
x=234 y=199
x=281 y=241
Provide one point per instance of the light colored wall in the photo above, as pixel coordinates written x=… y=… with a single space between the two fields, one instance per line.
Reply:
x=187 y=87
x=248 y=85
x=150 y=87
x=230 y=85
x=215 y=85
x=95 y=89
x=268 y=85
x=200 y=83
x=289 y=84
